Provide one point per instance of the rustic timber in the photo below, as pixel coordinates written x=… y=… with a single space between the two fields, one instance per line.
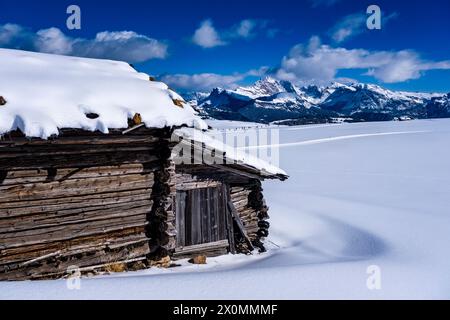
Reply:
x=208 y=249
x=82 y=199
x=118 y=201
x=241 y=227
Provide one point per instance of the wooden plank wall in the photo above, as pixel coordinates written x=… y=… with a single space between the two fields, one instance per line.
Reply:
x=92 y=211
x=77 y=200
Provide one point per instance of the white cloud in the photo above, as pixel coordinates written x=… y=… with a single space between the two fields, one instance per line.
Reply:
x=15 y=36
x=349 y=26
x=260 y=72
x=245 y=28
x=208 y=81
x=405 y=65
x=52 y=40
x=206 y=36
x=353 y=25
x=320 y=63
x=202 y=81
x=123 y=45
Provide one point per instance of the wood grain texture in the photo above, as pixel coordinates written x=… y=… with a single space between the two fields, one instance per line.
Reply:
x=82 y=199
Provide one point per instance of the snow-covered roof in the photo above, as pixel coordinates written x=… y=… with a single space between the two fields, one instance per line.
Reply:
x=45 y=92
x=237 y=156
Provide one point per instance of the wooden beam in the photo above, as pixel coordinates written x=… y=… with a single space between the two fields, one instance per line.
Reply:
x=236 y=171
x=202 y=247
x=228 y=218
x=198 y=185
x=238 y=221
x=133 y=128
x=44 y=257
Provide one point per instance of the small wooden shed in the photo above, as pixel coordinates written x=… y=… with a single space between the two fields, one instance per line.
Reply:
x=92 y=191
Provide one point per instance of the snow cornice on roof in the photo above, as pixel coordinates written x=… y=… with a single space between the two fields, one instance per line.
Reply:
x=43 y=93
x=231 y=157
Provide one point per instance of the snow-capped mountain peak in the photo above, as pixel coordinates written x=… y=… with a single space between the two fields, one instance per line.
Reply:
x=267 y=86
x=270 y=99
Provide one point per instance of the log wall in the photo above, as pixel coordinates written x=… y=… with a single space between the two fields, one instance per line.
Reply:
x=248 y=200
x=82 y=201
x=161 y=229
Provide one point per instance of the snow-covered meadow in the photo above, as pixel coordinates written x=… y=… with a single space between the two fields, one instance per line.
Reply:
x=359 y=195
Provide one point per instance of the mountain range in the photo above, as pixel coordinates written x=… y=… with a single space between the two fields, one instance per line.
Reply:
x=271 y=100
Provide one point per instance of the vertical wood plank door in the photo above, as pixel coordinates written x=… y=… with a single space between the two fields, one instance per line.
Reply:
x=200 y=216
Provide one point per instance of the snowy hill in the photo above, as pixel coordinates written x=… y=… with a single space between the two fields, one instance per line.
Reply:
x=271 y=100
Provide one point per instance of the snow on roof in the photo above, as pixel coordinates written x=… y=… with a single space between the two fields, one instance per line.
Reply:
x=45 y=92
x=238 y=156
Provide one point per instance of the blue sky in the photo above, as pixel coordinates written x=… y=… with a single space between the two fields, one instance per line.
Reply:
x=197 y=44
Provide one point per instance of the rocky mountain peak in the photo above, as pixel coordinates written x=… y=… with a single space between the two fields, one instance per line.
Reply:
x=270 y=99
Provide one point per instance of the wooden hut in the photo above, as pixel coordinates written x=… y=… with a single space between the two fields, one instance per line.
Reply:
x=89 y=177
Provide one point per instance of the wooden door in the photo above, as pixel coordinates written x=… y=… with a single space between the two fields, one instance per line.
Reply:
x=201 y=216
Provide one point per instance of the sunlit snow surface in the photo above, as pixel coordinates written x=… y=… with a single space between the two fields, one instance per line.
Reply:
x=358 y=195
x=46 y=92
